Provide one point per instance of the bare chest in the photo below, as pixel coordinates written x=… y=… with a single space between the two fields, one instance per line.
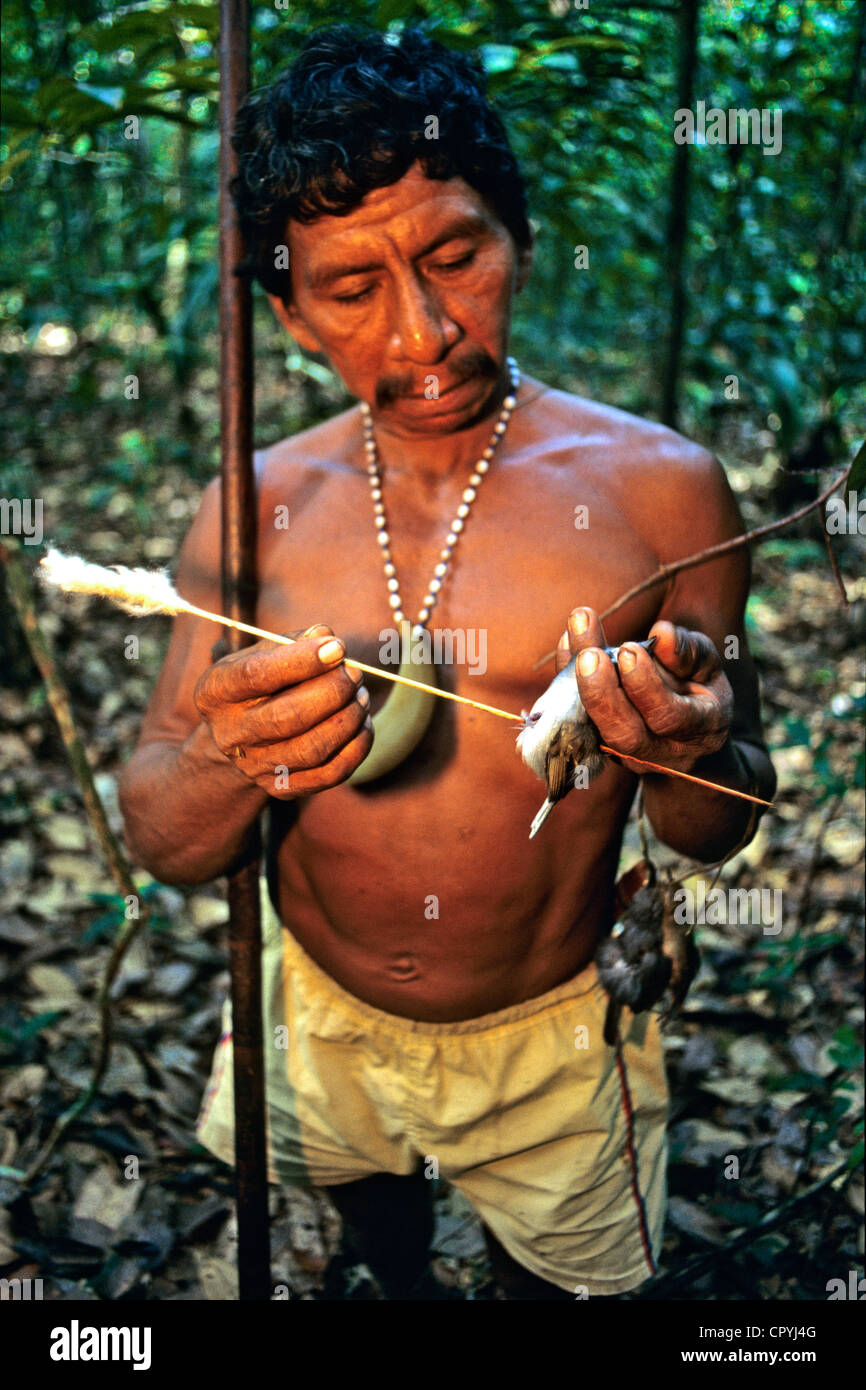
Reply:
x=539 y=540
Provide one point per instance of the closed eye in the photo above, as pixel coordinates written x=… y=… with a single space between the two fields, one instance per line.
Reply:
x=445 y=267
x=455 y=264
x=354 y=298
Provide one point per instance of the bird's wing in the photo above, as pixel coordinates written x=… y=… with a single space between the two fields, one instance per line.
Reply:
x=558 y=770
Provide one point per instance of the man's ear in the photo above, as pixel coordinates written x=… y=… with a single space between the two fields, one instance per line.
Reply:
x=289 y=318
x=525 y=256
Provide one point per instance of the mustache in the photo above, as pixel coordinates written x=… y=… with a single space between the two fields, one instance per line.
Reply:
x=475 y=363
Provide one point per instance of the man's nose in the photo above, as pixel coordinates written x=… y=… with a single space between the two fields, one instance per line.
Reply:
x=423 y=332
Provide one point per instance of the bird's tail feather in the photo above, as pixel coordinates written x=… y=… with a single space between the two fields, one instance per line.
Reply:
x=541 y=817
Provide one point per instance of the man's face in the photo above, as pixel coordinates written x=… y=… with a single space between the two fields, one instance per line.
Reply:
x=409 y=296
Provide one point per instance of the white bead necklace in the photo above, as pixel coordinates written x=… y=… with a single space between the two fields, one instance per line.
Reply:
x=469 y=495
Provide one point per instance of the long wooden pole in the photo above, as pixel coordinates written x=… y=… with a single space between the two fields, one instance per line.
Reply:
x=678 y=216
x=239 y=603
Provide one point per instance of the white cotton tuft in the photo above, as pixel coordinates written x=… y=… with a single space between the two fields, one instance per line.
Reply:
x=137 y=591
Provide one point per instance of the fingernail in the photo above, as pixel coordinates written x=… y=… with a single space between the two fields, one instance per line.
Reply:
x=579 y=621
x=587 y=662
x=331 y=650
x=362 y=695
x=315 y=630
x=563 y=642
x=626 y=660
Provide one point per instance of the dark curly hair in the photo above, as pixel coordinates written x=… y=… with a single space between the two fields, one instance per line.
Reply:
x=350 y=115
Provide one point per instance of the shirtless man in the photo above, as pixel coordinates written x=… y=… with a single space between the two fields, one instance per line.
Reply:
x=408 y=278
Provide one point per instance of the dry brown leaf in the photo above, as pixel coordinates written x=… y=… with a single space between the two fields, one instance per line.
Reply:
x=218 y=1278
x=777 y=1169
x=313 y=1236
x=843 y=839
x=105 y=1199
x=752 y=1057
x=724 y=1140
x=695 y=1221
x=65 y=832
x=50 y=901
x=55 y=989
x=173 y=979
x=206 y=912
x=151 y=1010
x=16 y=930
x=739 y=1090
x=8 y=1148
x=24 y=1082
x=786 y=1100
x=86 y=875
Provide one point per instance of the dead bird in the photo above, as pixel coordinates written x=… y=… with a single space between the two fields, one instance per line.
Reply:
x=681 y=949
x=646 y=957
x=559 y=741
x=632 y=964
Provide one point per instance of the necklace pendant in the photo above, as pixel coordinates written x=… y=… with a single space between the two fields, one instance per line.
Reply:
x=403 y=720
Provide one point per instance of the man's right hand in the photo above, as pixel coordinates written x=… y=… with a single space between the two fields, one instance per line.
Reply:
x=274 y=709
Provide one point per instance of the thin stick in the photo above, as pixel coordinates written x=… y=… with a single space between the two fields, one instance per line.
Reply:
x=21 y=595
x=701 y=1264
x=141 y=591
x=713 y=552
x=687 y=776
x=350 y=661
x=723 y=548
x=837 y=575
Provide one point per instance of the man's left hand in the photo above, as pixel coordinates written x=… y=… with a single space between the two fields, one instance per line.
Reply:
x=672 y=707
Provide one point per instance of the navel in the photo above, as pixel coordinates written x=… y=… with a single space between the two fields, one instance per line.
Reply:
x=403 y=969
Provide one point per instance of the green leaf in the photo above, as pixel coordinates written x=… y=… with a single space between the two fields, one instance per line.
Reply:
x=797 y=732
x=134 y=31
x=597 y=41
x=389 y=10
x=188 y=81
x=199 y=16
x=15 y=1037
x=857 y=478
x=105 y=926
x=18 y=113
x=845 y=1050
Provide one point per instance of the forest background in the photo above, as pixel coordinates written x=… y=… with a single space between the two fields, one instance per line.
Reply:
x=717 y=287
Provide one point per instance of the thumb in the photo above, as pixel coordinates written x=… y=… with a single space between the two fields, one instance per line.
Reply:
x=563 y=653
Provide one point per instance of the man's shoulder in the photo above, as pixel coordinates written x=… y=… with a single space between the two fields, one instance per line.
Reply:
x=638 y=442
x=326 y=446
x=281 y=471
x=671 y=490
